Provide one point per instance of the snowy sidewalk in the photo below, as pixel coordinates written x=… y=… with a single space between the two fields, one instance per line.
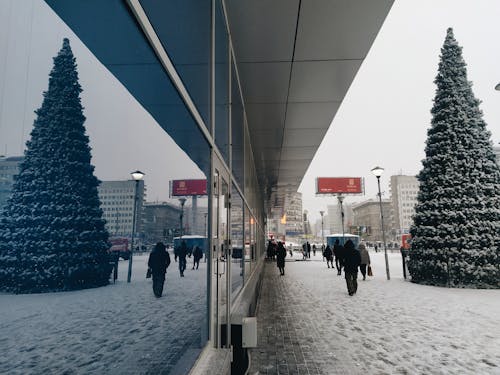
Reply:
x=307 y=324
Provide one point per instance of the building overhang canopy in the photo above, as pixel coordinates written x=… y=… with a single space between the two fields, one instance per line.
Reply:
x=296 y=60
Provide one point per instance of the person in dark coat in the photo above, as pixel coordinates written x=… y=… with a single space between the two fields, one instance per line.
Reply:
x=197 y=255
x=308 y=249
x=352 y=260
x=280 y=258
x=328 y=254
x=158 y=261
x=338 y=251
x=181 y=254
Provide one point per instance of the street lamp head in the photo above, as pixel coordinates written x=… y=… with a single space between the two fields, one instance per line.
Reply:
x=497 y=87
x=137 y=175
x=377 y=171
x=182 y=200
x=322 y=213
x=340 y=198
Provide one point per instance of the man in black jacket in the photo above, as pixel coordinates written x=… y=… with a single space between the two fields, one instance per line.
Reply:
x=352 y=260
x=159 y=260
x=338 y=251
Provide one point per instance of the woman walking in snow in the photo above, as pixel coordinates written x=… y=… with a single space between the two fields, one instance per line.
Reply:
x=280 y=258
x=365 y=259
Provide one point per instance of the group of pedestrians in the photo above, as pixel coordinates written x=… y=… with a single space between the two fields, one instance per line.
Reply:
x=349 y=259
x=159 y=260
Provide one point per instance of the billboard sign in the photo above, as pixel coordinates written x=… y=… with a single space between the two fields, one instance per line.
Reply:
x=188 y=187
x=339 y=185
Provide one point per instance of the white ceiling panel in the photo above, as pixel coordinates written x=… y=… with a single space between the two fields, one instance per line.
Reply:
x=303 y=137
x=263 y=30
x=310 y=115
x=265 y=82
x=320 y=81
x=338 y=29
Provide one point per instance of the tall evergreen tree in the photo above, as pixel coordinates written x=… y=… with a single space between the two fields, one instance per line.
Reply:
x=52 y=235
x=456 y=230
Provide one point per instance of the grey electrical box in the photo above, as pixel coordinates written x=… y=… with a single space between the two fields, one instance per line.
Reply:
x=249 y=332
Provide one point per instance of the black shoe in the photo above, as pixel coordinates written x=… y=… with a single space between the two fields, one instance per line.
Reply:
x=351 y=294
x=328 y=266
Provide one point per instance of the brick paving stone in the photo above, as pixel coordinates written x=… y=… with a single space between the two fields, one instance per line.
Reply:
x=293 y=334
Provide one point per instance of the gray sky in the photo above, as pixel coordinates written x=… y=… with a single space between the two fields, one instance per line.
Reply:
x=386 y=113
x=382 y=121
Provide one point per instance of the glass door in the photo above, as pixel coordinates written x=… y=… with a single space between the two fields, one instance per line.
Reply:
x=221 y=256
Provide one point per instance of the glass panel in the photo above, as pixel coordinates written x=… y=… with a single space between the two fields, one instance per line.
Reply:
x=184 y=28
x=236 y=129
x=80 y=230
x=221 y=83
x=237 y=260
x=248 y=249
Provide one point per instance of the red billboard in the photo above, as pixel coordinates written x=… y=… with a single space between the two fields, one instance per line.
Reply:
x=188 y=187
x=339 y=185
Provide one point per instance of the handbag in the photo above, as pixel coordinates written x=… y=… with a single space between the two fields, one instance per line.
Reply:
x=370 y=272
x=148 y=273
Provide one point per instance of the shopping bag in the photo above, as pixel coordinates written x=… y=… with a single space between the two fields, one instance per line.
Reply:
x=148 y=274
x=370 y=272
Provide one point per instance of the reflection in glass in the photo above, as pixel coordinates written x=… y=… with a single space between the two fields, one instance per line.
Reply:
x=237 y=260
x=164 y=334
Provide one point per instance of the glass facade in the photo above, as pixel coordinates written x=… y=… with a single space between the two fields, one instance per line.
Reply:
x=147 y=73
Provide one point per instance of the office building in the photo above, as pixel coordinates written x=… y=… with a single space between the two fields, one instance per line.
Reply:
x=117 y=204
x=404 y=191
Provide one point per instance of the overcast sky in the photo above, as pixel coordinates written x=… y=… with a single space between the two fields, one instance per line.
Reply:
x=386 y=113
x=382 y=121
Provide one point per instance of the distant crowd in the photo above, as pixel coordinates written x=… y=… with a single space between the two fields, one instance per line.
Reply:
x=346 y=257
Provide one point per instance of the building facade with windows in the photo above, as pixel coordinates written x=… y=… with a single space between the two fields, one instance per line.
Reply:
x=404 y=191
x=117 y=204
x=9 y=168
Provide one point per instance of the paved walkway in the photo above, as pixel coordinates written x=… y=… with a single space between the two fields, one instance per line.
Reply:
x=294 y=332
x=308 y=324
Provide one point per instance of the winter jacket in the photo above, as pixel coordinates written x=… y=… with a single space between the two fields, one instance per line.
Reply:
x=198 y=253
x=352 y=258
x=328 y=254
x=280 y=255
x=365 y=257
x=159 y=260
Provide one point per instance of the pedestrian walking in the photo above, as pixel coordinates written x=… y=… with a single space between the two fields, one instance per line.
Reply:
x=352 y=259
x=338 y=251
x=308 y=249
x=197 y=255
x=314 y=249
x=304 y=251
x=158 y=262
x=365 y=259
x=182 y=252
x=280 y=258
x=328 y=254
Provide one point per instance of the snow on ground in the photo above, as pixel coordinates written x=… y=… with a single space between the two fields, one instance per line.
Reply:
x=397 y=327
x=118 y=329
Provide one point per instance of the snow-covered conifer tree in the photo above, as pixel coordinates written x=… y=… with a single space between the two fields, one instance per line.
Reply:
x=52 y=235
x=456 y=230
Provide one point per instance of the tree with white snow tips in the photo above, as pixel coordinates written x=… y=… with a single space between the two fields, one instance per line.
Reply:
x=52 y=234
x=456 y=230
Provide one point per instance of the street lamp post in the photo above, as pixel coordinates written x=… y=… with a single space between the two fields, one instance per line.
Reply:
x=182 y=201
x=136 y=176
x=322 y=232
x=377 y=172
x=340 y=198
